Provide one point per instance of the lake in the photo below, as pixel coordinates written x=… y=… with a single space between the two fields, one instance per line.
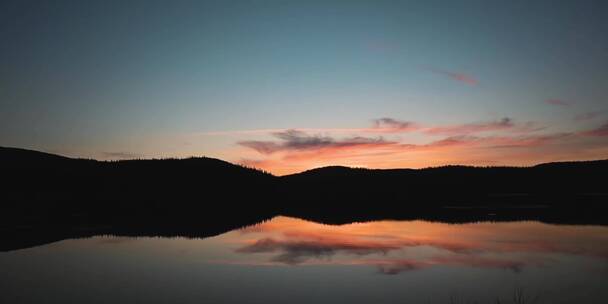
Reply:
x=289 y=260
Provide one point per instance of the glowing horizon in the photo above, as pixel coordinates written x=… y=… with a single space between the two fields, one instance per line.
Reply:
x=290 y=86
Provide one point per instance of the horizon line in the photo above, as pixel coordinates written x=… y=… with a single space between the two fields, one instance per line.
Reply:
x=307 y=170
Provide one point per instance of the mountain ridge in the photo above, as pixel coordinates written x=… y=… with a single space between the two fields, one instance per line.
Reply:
x=46 y=197
x=13 y=151
x=42 y=184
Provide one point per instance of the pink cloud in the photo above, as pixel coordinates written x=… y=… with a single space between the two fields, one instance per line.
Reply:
x=490 y=141
x=461 y=77
x=600 y=131
x=295 y=151
x=524 y=141
x=480 y=143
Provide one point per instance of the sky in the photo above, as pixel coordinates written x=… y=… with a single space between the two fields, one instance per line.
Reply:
x=287 y=86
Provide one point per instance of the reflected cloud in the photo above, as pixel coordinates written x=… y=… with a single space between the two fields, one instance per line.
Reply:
x=296 y=252
x=394 y=247
x=398 y=266
x=481 y=262
x=392 y=267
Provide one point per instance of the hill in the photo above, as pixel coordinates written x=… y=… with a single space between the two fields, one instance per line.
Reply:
x=552 y=191
x=48 y=187
x=52 y=197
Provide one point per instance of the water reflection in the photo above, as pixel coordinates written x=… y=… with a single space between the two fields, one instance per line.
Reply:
x=288 y=260
x=393 y=247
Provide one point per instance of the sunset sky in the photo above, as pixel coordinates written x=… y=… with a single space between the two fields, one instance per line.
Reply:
x=287 y=86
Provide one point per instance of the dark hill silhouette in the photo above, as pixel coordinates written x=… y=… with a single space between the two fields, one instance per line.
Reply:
x=579 y=187
x=48 y=197
x=40 y=178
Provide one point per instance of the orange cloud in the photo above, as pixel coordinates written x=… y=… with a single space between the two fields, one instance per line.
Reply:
x=392 y=154
x=500 y=141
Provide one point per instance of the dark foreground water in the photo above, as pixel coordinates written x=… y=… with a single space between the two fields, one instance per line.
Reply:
x=288 y=260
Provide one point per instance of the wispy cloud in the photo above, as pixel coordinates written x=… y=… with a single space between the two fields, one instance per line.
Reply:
x=393 y=267
x=391 y=125
x=379 y=125
x=524 y=141
x=295 y=140
x=502 y=124
x=489 y=141
x=390 y=142
x=599 y=131
x=588 y=115
x=557 y=102
x=293 y=156
x=460 y=77
x=239 y=132
x=264 y=147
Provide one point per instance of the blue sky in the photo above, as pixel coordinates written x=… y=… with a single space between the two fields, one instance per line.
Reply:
x=154 y=78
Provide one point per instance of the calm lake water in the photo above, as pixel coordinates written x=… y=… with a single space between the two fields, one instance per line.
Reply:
x=288 y=260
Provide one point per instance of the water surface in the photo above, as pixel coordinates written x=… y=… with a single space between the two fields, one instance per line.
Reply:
x=288 y=260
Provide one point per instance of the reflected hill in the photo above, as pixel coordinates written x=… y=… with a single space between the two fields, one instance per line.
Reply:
x=47 y=197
